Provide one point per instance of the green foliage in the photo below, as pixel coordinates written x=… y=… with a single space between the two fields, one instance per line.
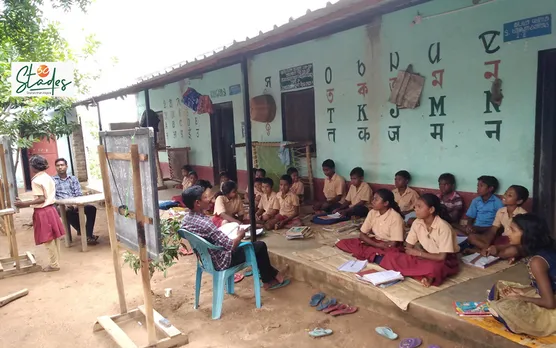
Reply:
x=171 y=243
x=26 y=36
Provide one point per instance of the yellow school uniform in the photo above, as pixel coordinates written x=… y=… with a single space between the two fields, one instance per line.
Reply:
x=42 y=184
x=358 y=194
x=297 y=188
x=287 y=203
x=503 y=218
x=334 y=187
x=229 y=206
x=387 y=227
x=407 y=200
x=269 y=202
x=440 y=239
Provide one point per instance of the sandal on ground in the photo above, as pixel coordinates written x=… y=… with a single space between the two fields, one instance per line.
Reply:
x=387 y=332
x=316 y=299
x=320 y=332
x=50 y=269
x=343 y=310
x=280 y=285
x=410 y=343
x=325 y=304
x=331 y=308
x=92 y=241
x=238 y=277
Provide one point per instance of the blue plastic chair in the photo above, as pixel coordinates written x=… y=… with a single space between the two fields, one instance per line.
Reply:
x=220 y=278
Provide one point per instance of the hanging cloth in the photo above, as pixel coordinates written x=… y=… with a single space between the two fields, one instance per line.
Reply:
x=284 y=154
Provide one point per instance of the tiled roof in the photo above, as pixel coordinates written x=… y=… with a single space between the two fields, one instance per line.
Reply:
x=334 y=17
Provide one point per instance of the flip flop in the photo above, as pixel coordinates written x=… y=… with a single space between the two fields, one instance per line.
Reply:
x=331 y=308
x=326 y=304
x=316 y=299
x=238 y=277
x=434 y=346
x=320 y=332
x=344 y=310
x=410 y=343
x=286 y=282
x=387 y=332
x=248 y=273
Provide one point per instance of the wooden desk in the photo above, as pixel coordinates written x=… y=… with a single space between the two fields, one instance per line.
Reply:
x=80 y=202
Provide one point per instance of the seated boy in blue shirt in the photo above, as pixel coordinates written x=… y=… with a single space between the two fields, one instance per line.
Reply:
x=482 y=210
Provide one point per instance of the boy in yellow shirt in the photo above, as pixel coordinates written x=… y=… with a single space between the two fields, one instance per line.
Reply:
x=288 y=214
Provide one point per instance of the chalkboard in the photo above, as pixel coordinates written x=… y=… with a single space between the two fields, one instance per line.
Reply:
x=8 y=159
x=296 y=77
x=528 y=28
x=121 y=186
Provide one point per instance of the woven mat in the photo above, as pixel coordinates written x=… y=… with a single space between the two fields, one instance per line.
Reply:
x=492 y=325
x=404 y=292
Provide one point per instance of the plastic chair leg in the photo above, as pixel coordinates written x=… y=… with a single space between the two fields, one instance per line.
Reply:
x=256 y=284
x=230 y=284
x=217 y=294
x=198 y=286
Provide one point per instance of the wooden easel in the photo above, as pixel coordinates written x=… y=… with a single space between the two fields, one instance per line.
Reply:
x=16 y=264
x=172 y=337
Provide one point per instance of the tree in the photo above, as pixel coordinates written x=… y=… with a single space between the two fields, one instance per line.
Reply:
x=26 y=36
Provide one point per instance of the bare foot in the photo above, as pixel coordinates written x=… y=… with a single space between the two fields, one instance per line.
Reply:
x=281 y=276
x=426 y=282
x=50 y=269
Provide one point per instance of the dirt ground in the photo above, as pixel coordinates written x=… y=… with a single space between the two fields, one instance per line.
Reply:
x=61 y=307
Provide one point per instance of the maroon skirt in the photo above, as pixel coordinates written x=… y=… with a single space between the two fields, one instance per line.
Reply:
x=47 y=224
x=360 y=250
x=416 y=267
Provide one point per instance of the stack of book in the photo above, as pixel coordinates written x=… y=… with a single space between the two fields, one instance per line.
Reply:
x=477 y=260
x=382 y=279
x=472 y=309
x=298 y=232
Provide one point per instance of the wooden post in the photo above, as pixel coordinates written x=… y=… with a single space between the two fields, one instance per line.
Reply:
x=63 y=212
x=112 y=227
x=8 y=204
x=82 y=226
x=310 y=171
x=141 y=239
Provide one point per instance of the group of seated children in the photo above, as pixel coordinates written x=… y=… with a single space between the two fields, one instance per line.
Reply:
x=274 y=210
x=431 y=245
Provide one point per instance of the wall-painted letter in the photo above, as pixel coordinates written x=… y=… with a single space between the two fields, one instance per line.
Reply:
x=394 y=65
x=328 y=75
x=496 y=131
x=488 y=97
x=362 y=113
x=487 y=44
x=437 y=106
x=330 y=112
x=436 y=58
x=268 y=81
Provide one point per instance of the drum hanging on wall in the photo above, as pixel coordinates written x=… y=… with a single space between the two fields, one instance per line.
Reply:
x=263 y=108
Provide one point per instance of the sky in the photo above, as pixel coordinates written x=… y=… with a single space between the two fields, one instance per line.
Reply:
x=147 y=36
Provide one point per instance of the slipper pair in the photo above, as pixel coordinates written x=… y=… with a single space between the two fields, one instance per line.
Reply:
x=340 y=309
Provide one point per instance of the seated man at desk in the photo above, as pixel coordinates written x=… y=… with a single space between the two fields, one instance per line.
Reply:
x=67 y=186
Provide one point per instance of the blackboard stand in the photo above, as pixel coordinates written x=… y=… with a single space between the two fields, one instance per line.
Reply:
x=171 y=336
x=16 y=264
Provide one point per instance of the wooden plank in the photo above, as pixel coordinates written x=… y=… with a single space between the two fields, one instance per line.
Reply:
x=82 y=227
x=31 y=258
x=7 y=211
x=143 y=256
x=119 y=318
x=131 y=215
x=67 y=237
x=23 y=270
x=112 y=228
x=169 y=331
x=12 y=297
x=117 y=334
x=125 y=157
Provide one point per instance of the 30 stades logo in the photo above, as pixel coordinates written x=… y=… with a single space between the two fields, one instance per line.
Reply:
x=36 y=79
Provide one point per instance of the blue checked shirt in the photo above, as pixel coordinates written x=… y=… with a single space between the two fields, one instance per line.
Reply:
x=202 y=226
x=68 y=187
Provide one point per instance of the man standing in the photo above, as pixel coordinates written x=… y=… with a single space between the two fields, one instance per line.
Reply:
x=67 y=186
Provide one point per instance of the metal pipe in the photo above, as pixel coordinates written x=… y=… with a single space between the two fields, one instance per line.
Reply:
x=147 y=107
x=249 y=149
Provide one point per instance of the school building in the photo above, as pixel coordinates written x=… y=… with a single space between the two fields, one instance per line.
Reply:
x=330 y=74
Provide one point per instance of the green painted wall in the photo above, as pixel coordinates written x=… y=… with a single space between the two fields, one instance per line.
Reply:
x=465 y=149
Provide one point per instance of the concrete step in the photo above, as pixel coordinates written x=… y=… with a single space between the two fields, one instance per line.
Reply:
x=433 y=313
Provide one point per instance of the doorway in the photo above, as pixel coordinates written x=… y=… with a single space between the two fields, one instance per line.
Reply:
x=298 y=116
x=48 y=149
x=544 y=191
x=223 y=141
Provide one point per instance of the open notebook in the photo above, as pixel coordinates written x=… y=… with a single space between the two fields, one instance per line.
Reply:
x=476 y=260
x=231 y=229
